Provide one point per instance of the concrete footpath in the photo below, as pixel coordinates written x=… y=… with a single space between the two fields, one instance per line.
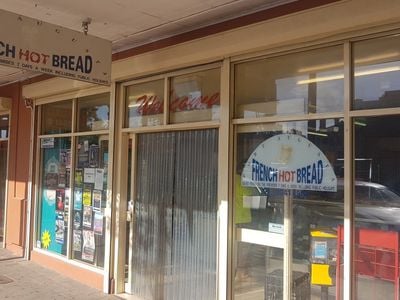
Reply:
x=21 y=279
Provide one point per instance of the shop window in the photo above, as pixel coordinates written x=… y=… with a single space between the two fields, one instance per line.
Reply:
x=57 y=117
x=90 y=192
x=276 y=164
x=300 y=83
x=4 y=126
x=377 y=73
x=55 y=195
x=93 y=112
x=144 y=104
x=195 y=97
x=72 y=197
x=377 y=207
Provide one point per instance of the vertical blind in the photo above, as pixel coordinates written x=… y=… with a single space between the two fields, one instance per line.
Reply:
x=175 y=231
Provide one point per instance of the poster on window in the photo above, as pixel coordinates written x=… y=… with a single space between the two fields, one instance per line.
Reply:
x=77 y=241
x=51 y=173
x=78 y=177
x=88 y=245
x=87 y=195
x=98 y=223
x=99 y=179
x=60 y=199
x=59 y=230
x=78 y=199
x=67 y=200
x=65 y=157
x=47 y=143
x=62 y=169
x=62 y=179
x=87 y=217
x=88 y=175
x=67 y=177
x=97 y=199
x=83 y=157
x=77 y=220
x=94 y=151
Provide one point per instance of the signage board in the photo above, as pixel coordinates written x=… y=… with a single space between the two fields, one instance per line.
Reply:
x=289 y=161
x=34 y=45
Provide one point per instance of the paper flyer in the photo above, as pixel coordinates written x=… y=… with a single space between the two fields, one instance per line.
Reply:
x=77 y=220
x=87 y=216
x=51 y=196
x=94 y=155
x=97 y=199
x=65 y=157
x=60 y=199
x=51 y=180
x=88 y=175
x=87 y=196
x=78 y=199
x=99 y=179
x=67 y=177
x=78 y=177
x=59 y=232
x=62 y=179
x=98 y=223
x=47 y=143
x=88 y=245
x=67 y=198
x=77 y=241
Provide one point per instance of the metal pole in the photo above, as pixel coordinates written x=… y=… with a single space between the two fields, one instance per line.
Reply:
x=287 y=251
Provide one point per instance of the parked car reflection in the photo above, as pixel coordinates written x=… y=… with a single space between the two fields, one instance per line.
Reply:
x=374 y=203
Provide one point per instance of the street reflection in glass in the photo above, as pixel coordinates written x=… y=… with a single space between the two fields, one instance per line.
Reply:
x=377 y=207
x=316 y=207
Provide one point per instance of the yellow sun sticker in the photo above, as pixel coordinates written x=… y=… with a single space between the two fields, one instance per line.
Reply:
x=46 y=239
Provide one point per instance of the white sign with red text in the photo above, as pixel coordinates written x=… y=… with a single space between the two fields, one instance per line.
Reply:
x=34 y=45
x=289 y=161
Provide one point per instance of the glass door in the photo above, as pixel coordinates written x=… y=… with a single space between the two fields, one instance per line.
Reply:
x=173 y=223
x=288 y=210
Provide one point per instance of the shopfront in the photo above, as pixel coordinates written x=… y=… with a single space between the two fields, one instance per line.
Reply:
x=72 y=175
x=253 y=170
x=171 y=187
x=295 y=179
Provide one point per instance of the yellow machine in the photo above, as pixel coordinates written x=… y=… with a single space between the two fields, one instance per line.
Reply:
x=323 y=256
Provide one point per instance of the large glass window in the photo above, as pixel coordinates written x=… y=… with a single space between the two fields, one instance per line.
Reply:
x=144 y=104
x=57 y=117
x=195 y=97
x=377 y=206
x=300 y=83
x=93 y=112
x=377 y=73
x=55 y=194
x=192 y=97
x=72 y=197
x=291 y=170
